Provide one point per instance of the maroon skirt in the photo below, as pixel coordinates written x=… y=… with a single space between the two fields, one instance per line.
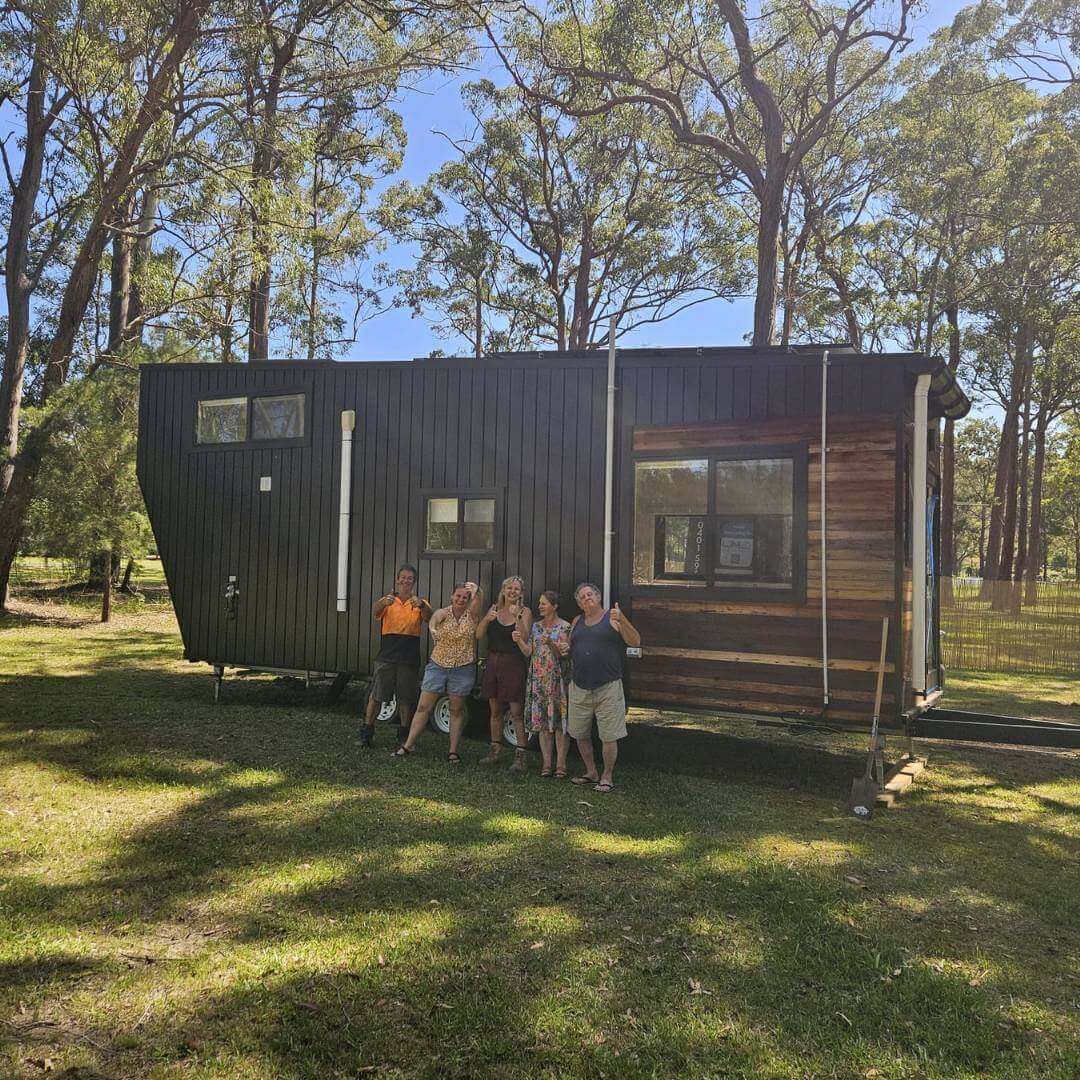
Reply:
x=504 y=677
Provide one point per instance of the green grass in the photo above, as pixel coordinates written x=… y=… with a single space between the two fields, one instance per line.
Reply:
x=62 y=582
x=238 y=891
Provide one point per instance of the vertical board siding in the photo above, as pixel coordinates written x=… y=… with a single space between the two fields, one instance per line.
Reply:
x=534 y=431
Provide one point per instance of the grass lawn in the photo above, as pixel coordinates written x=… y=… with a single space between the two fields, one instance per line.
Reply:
x=239 y=891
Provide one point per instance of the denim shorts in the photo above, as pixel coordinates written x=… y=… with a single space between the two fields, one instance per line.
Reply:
x=448 y=680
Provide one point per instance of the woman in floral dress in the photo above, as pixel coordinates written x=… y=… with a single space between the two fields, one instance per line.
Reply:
x=545 y=692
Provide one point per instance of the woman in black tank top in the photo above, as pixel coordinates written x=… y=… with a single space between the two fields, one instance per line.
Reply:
x=505 y=627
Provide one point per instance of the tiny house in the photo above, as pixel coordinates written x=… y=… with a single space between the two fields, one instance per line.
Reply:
x=756 y=511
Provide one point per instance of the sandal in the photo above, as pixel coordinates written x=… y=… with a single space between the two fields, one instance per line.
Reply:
x=581 y=781
x=402 y=751
x=560 y=774
x=545 y=774
x=454 y=758
x=604 y=788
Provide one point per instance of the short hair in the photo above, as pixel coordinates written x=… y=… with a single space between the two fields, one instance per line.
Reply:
x=588 y=585
x=408 y=566
x=551 y=596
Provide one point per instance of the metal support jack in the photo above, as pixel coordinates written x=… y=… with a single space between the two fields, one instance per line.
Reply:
x=219 y=675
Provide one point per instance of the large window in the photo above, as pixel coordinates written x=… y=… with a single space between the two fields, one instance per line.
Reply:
x=732 y=522
x=260 y=419
x=459 y=522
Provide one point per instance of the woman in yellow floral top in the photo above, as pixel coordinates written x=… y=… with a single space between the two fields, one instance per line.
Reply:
x=452 y=667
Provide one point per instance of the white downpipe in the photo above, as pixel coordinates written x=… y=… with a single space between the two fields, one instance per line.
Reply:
x=609 y=462
x=824 y=577
x=918 y=541
x=348 y=424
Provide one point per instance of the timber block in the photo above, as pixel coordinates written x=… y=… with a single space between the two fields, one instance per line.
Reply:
x=899 y=778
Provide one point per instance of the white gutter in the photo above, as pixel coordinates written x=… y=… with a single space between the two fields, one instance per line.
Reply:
x=609 y=461
x=824 y=576
x=918 y=541
x=348 y=423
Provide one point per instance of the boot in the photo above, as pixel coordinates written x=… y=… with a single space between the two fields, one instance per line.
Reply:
x=519 y=761
x=492 y=754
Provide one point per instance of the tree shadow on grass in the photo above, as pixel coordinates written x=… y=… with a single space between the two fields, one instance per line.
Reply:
x=303 y=862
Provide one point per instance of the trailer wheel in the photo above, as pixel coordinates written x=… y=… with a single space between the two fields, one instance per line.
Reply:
x=387 y=711
x=440 y=715
x=510 y=735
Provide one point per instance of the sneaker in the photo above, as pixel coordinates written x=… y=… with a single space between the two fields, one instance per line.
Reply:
x=367 y=737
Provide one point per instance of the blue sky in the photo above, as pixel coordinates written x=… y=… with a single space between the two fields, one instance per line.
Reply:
x=436 y=106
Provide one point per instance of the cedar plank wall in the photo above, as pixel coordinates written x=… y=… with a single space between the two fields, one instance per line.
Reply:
x=763 y=656
x=419 y=425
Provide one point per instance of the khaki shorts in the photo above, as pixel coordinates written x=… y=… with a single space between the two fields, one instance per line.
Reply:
x=390 y=680
x=606 y=703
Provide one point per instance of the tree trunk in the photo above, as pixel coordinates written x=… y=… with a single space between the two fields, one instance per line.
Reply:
x=120 y=281
x=1005 y=485
x=948 y=468
x=17 y=284
x=1031 y=566
x=313 y=289
x=478 y=319
x=125 y=584
x=80 y=284
x=143 y=249
x=788 y=292
x=263 y=167
x=1022 y=483
x=1003 y=477
x=106 y=591
x=772 y=199
x=982 y=541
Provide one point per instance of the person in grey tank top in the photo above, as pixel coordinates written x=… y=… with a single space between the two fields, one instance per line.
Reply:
x=598 y=640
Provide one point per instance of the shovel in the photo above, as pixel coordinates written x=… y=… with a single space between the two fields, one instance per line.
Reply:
x=864 y=789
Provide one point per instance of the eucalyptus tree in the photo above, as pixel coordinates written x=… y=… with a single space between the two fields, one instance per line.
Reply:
x=120 y=73
x=1036 y=41
x=1056 y=393
x=312 y=120
x=706 y=71
x=544 y=227
x=1031 y=287
x=951 y=138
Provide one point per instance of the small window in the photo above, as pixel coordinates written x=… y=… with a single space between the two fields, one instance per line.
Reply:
x=459 y=523
x=728 y=523
x=277 y=417
x=249 y=420
x=224 y=420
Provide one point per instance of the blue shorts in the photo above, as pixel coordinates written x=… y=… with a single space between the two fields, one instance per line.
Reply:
x=448 y=680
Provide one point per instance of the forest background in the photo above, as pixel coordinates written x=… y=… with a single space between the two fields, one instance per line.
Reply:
x=237 y=180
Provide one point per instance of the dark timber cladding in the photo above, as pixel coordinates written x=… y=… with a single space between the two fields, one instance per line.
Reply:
x=532 y=432
x=524 y=434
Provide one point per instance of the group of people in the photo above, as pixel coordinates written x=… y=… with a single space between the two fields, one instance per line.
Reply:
x=553 y=677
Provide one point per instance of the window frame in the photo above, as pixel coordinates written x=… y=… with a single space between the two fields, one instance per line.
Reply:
x=250 y=443
x=461 y=494
x=756 y=593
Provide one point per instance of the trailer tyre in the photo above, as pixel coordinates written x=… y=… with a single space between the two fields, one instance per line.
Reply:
x=510 y=735
x=387 y=711
x=440 y=716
